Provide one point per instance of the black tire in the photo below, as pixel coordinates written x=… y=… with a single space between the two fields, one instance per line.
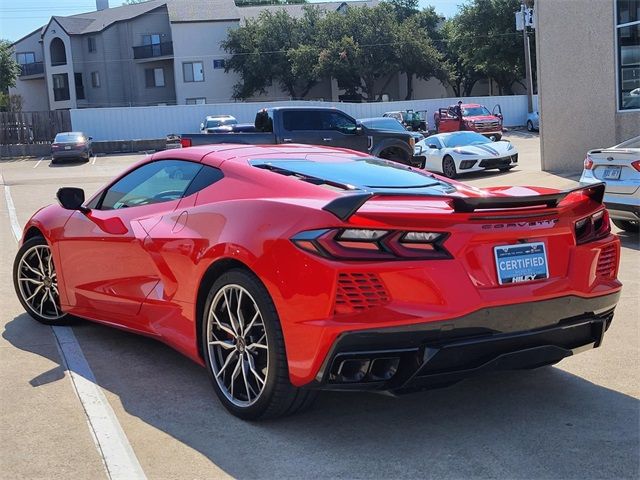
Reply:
x=278 y=396
x=498 y=137
x=50 y=312
x=627 y=225
x=395 y=155
x=449 y=167
x=529 y=126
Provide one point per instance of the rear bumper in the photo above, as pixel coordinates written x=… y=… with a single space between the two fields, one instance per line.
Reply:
x=623 y=211
x=69 y=154
x=414 y=357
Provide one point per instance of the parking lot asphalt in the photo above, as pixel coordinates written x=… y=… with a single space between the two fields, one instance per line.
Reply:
x=578 y=419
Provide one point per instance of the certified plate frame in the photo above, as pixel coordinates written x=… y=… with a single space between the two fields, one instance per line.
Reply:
x=546 y=261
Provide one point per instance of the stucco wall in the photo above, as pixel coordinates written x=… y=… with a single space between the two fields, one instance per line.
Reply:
x=33 y=90
x=577 y=82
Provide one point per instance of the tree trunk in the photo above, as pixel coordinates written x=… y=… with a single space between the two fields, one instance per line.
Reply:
x=409 y=86
x=369 y=89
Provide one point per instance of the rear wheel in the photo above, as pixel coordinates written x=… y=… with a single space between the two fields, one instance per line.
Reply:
x=449 y=167
x=36 y=282
x=627 y=225
x=530 y=125
x=244 y=350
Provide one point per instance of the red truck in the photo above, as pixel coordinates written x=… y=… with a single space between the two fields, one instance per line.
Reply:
x=475 y=117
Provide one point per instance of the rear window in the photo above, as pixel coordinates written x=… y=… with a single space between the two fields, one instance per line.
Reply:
x=384 y=124
x=69 y=138
x=359 y=172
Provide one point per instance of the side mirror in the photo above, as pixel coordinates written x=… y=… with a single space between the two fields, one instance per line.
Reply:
x=432 y=145
x=90 y=138
x=359 y=129
x=202 y=126
x=71 y=198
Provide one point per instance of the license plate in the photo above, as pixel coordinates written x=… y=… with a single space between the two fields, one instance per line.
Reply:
x=611 y=173
x=67 y=148
x=524 y=262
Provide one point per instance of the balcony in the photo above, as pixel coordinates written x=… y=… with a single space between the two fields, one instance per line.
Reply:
x=164 y=49
x=28 y=69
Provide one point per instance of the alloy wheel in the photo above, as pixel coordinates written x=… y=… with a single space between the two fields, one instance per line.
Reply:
x=38 y=282
x=238 y=345
x=449 y=167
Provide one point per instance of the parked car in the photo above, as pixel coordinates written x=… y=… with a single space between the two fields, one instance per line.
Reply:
x=218 y=124
x=289 y=269
x=475 y=117
x=412 y=121
x=317 y=126
x=619 y=168
x=71 y=145
x=533 y=121
x=390 y=124
x=462 y=152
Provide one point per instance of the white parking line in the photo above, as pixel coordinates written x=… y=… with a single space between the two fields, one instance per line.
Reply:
x=117 y=454
x=38 y=163
x=93 y=162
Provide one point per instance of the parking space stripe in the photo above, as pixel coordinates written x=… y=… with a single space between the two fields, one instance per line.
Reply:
x=38 y=163
x=117 y=454
x=93 y=162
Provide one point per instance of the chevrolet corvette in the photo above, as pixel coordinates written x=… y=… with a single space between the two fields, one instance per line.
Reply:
x=285 y=270
x=457 y=153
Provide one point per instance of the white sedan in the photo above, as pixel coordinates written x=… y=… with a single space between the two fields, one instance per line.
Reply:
x=619 y=168
x=461 y=152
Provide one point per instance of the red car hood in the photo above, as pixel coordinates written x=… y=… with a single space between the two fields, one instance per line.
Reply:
x=482 y=118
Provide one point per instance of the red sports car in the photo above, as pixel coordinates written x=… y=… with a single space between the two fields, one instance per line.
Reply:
x=290 y=269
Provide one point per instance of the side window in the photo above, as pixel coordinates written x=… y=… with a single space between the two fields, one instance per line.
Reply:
x=205 y=177
x=296 y=120
x=154 y=182
x=337 y=121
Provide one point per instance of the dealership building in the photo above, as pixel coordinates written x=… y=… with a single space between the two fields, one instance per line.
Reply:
x=588 y=55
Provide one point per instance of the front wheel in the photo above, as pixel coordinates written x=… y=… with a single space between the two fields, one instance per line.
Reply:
x=36 y=282
x=627 y=225
x=449 y=167
x=244 y=350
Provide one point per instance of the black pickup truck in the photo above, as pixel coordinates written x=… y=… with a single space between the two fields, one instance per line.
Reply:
x=315 y=126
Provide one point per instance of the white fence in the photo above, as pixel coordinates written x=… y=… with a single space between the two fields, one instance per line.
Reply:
x=147 y=123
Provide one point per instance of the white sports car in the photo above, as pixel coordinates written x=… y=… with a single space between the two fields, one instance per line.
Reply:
x=460 y=152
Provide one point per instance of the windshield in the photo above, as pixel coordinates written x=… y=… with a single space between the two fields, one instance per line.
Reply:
x=221 y=122
x=461 y=139
x=475 y=111
x=384 y=124
x=411 y=117
x=69 y=138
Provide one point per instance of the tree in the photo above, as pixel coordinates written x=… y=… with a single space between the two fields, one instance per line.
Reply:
x=273 y=48
x=487 y=40
x=462 y=72
x=358 y=49
x=9 y=68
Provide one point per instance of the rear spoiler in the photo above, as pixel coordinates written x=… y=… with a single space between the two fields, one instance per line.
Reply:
x=345 y=206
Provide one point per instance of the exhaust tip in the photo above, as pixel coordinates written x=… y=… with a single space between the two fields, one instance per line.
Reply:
x=383 y=368
x=353 y=370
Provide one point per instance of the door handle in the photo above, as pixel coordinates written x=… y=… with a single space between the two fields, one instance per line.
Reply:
x=327 y=139
x=287 y=140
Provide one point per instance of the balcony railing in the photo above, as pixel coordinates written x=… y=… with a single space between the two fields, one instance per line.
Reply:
x=34 y=68
x=155 y=50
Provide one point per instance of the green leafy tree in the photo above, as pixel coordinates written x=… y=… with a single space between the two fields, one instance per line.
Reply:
x=462 y=73
x=487 y=41
x=9 y=68
x=273 y=48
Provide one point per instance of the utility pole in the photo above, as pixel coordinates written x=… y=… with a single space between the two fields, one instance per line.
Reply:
x=524 y=20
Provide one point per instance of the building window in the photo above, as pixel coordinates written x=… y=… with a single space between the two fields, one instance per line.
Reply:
x=193 y=72
x=60 y=87
x=154 y=77
x=79 y=86
x=628 y=53
x=153 y=42
x=196 y=101
x=217 y=64
x=25 y=58
x=91 y=43
x=58 y=52
x=95 y=79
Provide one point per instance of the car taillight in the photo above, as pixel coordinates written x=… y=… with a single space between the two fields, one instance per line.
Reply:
x=185 y=142
x=636 y=165
x=369 y=244
x=588 y=162
x=593 y=227
x=80 y=144
x=55 y=147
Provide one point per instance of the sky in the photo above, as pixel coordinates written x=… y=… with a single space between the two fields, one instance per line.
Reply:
x=20 y=17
